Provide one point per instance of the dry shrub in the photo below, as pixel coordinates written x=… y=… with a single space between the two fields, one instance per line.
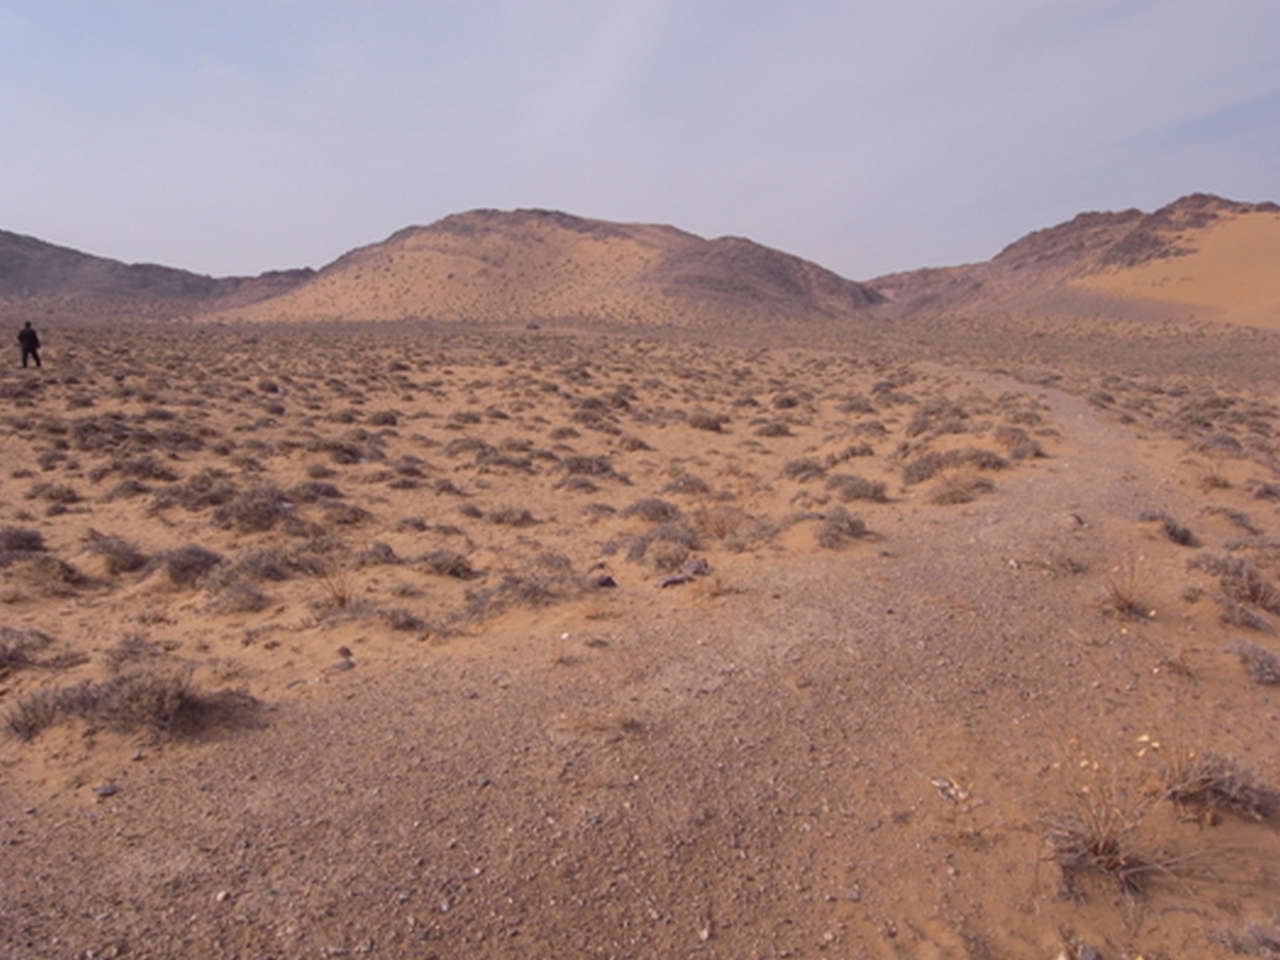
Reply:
x=929 y=464
x=721 y=522
x=774 y=428
x=1177 y=533
x=667 y=556
x=119 y=555
x=185 y=565
x=62 y=493
x=511 y=517
x=959 y=486
x=160 y=701
x=336 y=582
x=587 y=466
x=838 y=527
x=377 y=553
x=1261 y=664
x=803 y=469
x=238 y=597
x=687 y=483
x=1211 y=784
x=309 y=491
x=131 y=649
x=49 y=575
x=1099 y=837
x=1125 y=585
x=706 y=421
x=398 y=618
x=523 y=591
x=255 y=510
x=1254 y=940
x=850 y=486
x=448 y=563
x=345 y=514
x=20 y=539
x=18 y=649
x=673 y=532
x=653 y=510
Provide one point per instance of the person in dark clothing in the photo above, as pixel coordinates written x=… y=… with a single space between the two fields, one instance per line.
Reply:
x=30 y=344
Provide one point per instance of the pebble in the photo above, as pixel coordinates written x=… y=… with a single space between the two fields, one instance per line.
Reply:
x=344 y=664
x=106 y=790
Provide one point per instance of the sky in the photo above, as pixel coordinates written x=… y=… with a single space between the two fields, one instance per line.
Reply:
x=236 y=137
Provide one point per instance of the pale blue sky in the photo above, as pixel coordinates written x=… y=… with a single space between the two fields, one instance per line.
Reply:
x=238 y=137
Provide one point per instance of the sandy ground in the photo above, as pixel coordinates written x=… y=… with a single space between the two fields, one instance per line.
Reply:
x=939 y=657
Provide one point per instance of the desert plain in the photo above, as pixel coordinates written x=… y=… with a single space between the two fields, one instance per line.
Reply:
x=531 y=586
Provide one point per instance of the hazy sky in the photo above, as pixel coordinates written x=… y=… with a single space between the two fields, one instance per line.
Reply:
x=235 y=137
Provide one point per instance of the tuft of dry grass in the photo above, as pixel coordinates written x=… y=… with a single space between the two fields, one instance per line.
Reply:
x=1125 y=583
x=1210 y=784
x=1099 y=838
x=1261 y=664
x=838 y=527
x=164 y=702
x=959 y=486
x=335 y=580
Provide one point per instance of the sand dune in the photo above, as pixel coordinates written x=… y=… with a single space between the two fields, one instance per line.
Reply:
x=1232 y=269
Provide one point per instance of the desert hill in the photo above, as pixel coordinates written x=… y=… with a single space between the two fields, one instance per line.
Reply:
x=1201 y=251
x=528 y=265
x=37 y=278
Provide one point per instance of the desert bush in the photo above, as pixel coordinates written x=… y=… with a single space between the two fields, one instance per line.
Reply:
x=523 y=591
x=165 y=702
x=19 y=649
x=119 y=555
x=62 y=493
x=587 y=466
x=838 y=527
x=803 y=469
x=850 y=486
x=146 y=467
x=125 y=489
x=653 y=510
x=398 y=618
x=1261 y=664
x=670 y=532
x=687 y=483
x=21 y=539
x=721 y=522
x=855 y=404
x=1099 y=837
x=132 y=648
x=928 y=465
x=1177 y=533
x=706 y=421
x=1254 y=939
x=1124 y=585
x=253 y=511
x=666 y=556
x=238 y=597
x=187 y=564
x=774 y=428
x=345 y=514
x=1213 y=784
x=959 y=486
x=309 y=491
x=447 y=563
x=511 y=517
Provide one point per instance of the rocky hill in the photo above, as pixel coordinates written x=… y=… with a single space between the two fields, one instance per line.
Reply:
x=1050 y=265
x=536 y=265
x=39 y=278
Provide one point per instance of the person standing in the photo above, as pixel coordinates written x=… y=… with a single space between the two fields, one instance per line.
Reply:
x=30 y=343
